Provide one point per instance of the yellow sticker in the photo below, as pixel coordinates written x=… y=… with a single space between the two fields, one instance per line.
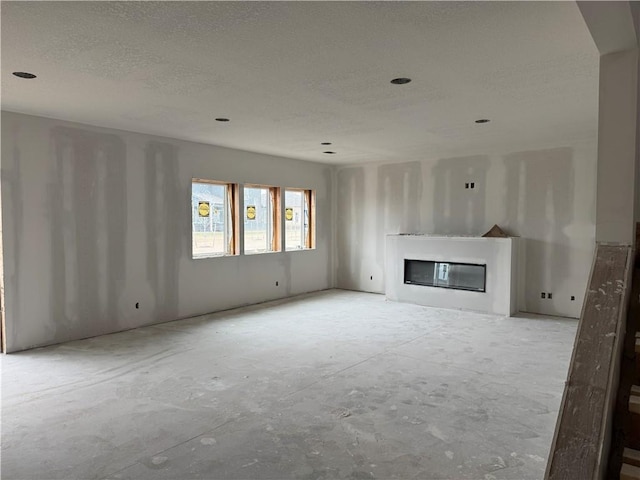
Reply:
x=203 y=209
x=288 y=214
x=251 y=212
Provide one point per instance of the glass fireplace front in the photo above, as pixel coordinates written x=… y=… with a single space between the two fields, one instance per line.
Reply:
x=458 y=276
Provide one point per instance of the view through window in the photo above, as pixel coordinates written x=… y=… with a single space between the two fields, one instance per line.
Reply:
x=261 y=219
x=212 y=224
x=216 y=219
x=298 y=216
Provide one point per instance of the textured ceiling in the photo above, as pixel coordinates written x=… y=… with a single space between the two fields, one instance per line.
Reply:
x=291 y=75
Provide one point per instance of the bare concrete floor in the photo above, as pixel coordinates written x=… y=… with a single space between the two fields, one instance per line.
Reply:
x=330 y=385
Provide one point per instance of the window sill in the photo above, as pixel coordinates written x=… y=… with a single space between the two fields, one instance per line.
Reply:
x=219 y=255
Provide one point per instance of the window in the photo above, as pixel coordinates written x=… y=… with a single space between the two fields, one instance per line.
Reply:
x=299 y=215
x=261 y=219
x=213 y=212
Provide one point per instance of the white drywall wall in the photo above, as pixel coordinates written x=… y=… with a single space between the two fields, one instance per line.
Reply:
x=615 y=29
x=546 y=196
x=96 y=220
x=617 y=132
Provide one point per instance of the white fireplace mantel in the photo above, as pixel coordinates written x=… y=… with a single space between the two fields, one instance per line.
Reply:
x=500 y=255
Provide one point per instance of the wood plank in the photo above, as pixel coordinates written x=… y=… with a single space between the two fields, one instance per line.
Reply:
x=3 y=336
x=629 y=472
x=583 y=421
x=634 y=404
x=631 y=456
x=635 y=390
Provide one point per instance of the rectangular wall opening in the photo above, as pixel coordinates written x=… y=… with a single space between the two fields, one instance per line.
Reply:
x=457 y=276
x=213 y=218
x=261 y=219
x=299 y=219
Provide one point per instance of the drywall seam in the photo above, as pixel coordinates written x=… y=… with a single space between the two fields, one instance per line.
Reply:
x=101 y=223
x=546 y=196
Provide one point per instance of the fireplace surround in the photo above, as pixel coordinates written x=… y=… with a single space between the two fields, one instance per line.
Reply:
x=468 y=273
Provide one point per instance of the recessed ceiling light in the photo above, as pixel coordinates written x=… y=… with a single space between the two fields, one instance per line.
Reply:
x=329 y=153
x=222 y=119
x=400 y=81
x=24 y=75
x=483 y=120
x=325 y=143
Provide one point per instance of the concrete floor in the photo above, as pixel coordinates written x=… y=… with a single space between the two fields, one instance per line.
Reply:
x=330 y=385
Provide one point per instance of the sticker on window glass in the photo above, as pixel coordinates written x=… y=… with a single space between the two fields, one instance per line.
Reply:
x=203 y=209
x=288 y=214
x=251 y=212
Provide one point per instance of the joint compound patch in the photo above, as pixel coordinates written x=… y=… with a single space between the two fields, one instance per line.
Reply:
x=159 y=460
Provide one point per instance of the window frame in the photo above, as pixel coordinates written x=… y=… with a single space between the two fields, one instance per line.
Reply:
x=232 y=206
x=309 y=201
x=275 y=215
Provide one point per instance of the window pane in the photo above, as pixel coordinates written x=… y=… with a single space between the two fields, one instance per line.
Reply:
x=294 y=219
x=210 y=220
x=258 y=220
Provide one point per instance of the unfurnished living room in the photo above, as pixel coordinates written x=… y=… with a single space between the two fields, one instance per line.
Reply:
x=320 y=240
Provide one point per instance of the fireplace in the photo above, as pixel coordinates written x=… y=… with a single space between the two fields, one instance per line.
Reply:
x=458 y=276
x=467 y=273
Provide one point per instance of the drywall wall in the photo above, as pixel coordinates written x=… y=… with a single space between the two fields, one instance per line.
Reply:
x=546 y=196
x=97 y=220
x=617 y=143
x=614 y=27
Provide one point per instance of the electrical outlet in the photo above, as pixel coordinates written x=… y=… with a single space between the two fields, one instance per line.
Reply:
x=543 y=295
x=549 y=296
x=137 y=305
x=276 y=283
x=473 y=185
x=573 y=298
x=371 y=277
x=466 y=185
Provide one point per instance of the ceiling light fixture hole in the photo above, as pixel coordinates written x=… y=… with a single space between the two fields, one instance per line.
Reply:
x=400 y=81
x=483 y=120
x=222 y=119
x=25 y=75
x=325 y=143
